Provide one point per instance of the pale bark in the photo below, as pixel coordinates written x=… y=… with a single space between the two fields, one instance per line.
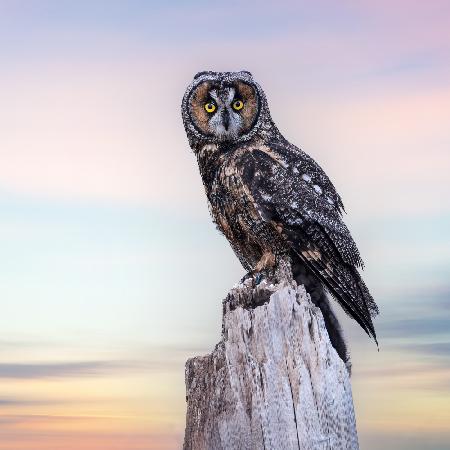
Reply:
x=273 y=382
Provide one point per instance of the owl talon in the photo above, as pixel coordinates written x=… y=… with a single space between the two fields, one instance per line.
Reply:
x=258 y=278
x=253 y=278
x=246 y=277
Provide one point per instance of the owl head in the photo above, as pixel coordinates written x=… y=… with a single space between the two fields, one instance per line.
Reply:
x=223 y=107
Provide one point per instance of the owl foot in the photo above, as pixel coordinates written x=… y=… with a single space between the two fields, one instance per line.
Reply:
x=248 y=277
x=258 y=278
x=253 y=278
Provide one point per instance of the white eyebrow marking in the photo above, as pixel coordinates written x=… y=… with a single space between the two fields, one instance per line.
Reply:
x=230 y=95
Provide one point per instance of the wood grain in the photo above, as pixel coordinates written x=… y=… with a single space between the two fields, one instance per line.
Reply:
x=274 y=381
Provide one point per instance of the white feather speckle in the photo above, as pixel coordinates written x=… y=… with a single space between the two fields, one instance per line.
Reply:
x=266 y=197
x=306 y=177
x=294 y=205
x=295 y=170
x=330 y=201
x=317 y=188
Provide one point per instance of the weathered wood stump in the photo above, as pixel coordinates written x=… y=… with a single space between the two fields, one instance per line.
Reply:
x=273 y=382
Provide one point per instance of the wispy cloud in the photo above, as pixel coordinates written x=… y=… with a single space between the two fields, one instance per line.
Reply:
x=436 y=349
x=22 y=401
x=65 y=369
x=416 y=328
x=419 y=323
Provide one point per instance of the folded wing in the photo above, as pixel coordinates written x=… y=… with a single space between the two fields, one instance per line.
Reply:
x=293 y=193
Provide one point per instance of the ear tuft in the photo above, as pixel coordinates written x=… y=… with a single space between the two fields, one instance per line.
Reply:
x=247 y=72
x=204 y=72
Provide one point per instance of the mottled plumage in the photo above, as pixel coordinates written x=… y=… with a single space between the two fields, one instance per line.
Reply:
x=270 y=199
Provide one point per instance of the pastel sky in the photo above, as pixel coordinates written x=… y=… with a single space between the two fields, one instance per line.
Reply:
x=111 y=272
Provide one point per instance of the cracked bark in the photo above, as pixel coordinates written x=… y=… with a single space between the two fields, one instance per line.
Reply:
x=273 y=382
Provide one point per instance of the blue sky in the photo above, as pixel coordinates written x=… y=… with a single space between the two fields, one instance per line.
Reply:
x=112 y=273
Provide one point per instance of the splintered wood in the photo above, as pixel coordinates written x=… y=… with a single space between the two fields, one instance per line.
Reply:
x=273 y=382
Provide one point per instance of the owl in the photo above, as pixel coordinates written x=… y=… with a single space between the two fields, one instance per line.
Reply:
x=271 y=200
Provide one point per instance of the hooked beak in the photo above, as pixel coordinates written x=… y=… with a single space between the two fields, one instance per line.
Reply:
x=226 y=119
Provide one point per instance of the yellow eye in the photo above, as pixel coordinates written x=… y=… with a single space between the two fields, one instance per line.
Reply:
x=238 y=105
x=210 y=107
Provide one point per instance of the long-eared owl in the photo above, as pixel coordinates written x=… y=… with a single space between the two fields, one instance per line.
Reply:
x=270 y=199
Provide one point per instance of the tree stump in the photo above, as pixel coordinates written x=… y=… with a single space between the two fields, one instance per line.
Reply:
x=274 y=381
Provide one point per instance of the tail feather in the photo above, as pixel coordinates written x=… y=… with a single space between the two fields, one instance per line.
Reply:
x=315 y=289
x=346 y=286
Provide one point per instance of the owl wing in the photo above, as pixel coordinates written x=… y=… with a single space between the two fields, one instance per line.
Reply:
x=293 y=193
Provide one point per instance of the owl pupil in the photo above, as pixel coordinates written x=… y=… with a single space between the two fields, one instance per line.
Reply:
x=210 y=107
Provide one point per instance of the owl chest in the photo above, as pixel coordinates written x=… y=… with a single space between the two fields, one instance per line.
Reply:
x=232 y=205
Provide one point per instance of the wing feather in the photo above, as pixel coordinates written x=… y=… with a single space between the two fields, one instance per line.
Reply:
x=293 y=193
